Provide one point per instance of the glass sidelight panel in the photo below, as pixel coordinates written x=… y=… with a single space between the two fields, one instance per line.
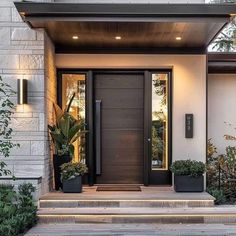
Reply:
x=75 y=83
x=159 y=121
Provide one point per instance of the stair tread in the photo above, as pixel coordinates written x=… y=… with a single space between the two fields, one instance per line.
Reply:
x=138 y=211
x=147 y=194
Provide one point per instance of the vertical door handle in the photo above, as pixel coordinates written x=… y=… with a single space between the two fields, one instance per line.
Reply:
x=98 y=136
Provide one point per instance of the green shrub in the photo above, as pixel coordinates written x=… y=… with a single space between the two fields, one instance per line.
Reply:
x=72 y=169
x=218 y=194
x=188 y=167
x=17 y=209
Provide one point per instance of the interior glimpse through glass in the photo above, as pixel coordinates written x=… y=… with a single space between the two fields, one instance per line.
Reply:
x=160 y=121
x=75 y=83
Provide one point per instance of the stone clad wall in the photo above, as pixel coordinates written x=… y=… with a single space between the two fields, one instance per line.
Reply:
x=50 y=88
x=22 y=53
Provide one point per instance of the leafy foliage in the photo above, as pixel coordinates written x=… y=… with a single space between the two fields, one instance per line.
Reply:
x=188 y=167
x=221 y=174
x=66 y=130
x=17 y=209
x=218 y=194
x=72 y=169
x=6 y=111
x=225 y=41
x=212 y=173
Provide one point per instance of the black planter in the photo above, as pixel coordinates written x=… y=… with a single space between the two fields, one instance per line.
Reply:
x=57 y=162
x=186 y=183
x=73 y=185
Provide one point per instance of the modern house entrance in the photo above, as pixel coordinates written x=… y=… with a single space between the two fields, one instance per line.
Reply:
x=120 y=60
x=131 y=119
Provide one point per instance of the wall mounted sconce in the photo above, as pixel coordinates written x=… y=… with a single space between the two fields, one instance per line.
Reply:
x=22 y=91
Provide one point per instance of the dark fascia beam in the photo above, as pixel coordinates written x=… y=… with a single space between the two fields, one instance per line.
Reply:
x=222 y=57
x=32 y=9
x=222 y=63
x=227 y=69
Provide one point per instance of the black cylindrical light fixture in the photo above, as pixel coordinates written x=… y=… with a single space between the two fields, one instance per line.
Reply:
x=22 y=91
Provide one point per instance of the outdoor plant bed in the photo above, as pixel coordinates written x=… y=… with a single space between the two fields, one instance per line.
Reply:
x=188 y=176
x=71 y=176
x=17 y=209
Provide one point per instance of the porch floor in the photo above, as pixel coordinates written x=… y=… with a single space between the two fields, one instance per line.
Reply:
x=147 y=193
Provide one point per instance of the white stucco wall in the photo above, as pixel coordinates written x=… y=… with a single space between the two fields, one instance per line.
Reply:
x=189 y=91
x=221 y=109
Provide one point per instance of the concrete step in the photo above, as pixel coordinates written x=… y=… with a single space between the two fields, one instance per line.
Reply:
x=148 y=197
x=138 y=215
x=120 y=203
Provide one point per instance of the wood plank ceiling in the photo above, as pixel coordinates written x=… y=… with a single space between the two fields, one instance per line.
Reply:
x=135 y=36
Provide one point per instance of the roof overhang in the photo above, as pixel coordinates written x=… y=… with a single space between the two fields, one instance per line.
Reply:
x=222 y=63
x=147 y=28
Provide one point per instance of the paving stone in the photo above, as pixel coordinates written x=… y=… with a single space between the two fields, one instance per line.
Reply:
x=133 y=229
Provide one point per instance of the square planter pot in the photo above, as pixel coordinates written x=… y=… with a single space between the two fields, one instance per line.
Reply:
x=186 y=183
x=73 y=185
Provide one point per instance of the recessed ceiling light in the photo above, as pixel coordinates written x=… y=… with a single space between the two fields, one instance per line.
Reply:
x=75 y=37
x=178 y=38
x=118 y=37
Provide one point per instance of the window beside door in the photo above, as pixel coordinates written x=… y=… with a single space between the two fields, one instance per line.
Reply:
x=75 y=83
x=159 y=128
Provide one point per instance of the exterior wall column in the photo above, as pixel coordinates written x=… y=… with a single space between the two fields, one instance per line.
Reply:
x=22 y=55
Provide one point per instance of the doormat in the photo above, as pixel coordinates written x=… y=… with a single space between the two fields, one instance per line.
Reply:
x=119 y=188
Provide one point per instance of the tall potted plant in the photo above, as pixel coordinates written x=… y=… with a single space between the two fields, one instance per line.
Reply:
x=188 y=175
x=64 y=133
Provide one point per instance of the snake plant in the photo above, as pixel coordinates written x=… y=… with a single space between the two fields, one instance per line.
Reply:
x=66 y=130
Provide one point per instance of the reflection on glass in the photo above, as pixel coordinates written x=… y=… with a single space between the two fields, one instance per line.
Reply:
x=75 y=83
x=160 y=121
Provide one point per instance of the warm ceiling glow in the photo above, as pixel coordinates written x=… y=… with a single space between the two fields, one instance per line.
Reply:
x=118 y=37
x=178 y=38
x=75 y=37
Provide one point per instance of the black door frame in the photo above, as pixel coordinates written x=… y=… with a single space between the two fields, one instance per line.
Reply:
x=157 y=177
x=89 y=93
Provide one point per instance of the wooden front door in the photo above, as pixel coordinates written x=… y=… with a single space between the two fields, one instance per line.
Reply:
x=121 y=127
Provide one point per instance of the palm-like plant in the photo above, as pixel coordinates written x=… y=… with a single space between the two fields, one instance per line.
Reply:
x=66 y=130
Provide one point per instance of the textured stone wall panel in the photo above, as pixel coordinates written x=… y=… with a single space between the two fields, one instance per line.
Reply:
x=22 y=56
x=23 y=33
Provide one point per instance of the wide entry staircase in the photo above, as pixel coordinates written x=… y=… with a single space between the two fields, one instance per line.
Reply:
x=151 y=205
